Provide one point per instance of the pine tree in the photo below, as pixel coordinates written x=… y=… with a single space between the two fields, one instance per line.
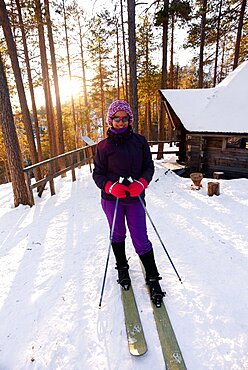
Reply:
x=220 y=37
x=133 y=89
x=4 y=21
x=239 y=33
x=148 y=74
x=30 y=80
x=20 y=189
x=100 y=46
x=46 y=81
x=162 y=19
x=61 y=146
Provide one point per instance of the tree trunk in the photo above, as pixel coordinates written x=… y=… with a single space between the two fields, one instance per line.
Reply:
x=147 y=113
x=172 y=53
x=240 y=26
x=22 y=195
x=124 y=53
x=217 y=44
x=171 y=84
x=76 y=134
x=7 y=172
x=60 y=139
x=161 y=120
x=102 y=93
x=176 y=78
x=132 y=62
x=118 y=59
x=30 y=81
x=222 y=59
x=4 y=21
x=148 y=120
x=202 y=42
x=86 y=103
x=46 y=84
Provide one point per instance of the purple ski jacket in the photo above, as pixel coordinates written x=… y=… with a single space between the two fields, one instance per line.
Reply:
x=122 y=155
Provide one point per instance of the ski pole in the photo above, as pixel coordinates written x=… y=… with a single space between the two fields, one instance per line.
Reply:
x=156 y=231
x=110 y=243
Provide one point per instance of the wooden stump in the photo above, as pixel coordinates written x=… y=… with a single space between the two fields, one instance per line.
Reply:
x=213 y=188
x=197 y=177
x=218 y=175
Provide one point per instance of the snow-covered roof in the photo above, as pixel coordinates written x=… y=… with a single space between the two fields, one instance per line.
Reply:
x=223 y=108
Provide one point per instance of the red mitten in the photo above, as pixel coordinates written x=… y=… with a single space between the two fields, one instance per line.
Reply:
x=116 y=189
x=137 y=187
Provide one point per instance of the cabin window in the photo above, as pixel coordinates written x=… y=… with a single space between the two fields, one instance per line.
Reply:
x=239 y=143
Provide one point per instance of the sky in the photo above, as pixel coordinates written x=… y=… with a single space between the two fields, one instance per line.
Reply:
x=52 y=261
x=183 y=57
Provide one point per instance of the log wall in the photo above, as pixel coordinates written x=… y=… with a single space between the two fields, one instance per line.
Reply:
x=210 y=154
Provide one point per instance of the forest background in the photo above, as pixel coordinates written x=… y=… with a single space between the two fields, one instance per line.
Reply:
x=63 y=62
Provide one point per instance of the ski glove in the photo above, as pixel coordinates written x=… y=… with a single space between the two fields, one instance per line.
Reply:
x=116 y=189
x=136 y=187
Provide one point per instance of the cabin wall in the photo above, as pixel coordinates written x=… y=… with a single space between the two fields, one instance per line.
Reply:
x=208 y=154
x=194 y=153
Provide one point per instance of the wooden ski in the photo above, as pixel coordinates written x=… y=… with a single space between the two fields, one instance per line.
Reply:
x=135 y=335
x=172 y=354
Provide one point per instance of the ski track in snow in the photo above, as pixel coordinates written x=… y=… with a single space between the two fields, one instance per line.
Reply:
x=52 y=261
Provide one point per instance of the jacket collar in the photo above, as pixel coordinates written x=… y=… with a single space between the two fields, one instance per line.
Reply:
x=121 y=136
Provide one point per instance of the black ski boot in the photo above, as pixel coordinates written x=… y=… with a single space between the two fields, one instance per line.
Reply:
x=152 y=278
x=123 y=277
x=156 y=292
x=121 y=264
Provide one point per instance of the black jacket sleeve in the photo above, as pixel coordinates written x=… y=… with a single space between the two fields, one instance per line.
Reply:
x=148 y=165
x=100 y=167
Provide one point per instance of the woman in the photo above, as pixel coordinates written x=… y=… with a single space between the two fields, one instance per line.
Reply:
x=126 y=154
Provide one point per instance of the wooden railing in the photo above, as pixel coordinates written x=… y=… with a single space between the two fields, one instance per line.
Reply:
x=59 y=165
x=151 y=143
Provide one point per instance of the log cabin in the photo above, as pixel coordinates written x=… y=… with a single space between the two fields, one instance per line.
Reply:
x=212 y=125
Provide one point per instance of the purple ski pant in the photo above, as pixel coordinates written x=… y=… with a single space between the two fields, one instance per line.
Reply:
x=135 y=217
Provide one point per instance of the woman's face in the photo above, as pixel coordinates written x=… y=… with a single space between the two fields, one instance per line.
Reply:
x=120 y=116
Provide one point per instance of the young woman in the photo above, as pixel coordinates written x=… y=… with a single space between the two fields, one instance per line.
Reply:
x=125 y=154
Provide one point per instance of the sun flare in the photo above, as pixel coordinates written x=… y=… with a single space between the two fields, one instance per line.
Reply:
x=69 y=88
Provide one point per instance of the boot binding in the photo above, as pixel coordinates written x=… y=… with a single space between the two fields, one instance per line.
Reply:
x=123 y=277
x=156 y=292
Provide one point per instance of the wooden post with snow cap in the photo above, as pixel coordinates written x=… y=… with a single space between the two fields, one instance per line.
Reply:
x=218 y=175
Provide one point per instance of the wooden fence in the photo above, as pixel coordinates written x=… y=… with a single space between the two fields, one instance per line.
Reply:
x=59 y=165
x=151 y=143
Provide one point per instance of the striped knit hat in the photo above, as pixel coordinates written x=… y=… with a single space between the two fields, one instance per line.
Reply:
x=117 y=106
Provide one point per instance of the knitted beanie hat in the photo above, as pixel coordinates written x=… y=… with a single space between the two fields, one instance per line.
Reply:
x=116 y=106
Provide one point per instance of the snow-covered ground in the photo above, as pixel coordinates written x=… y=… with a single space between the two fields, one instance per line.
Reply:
x=52 y=260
